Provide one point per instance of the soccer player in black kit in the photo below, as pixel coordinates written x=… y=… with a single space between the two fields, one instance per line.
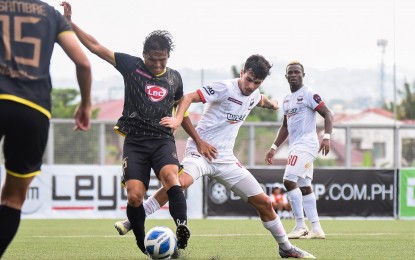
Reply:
x=28 y=31
x=151 y=90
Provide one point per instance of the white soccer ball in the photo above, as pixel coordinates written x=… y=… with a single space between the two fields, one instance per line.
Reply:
x=160 y=242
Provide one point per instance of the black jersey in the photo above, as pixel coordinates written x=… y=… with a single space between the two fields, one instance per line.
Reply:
x=29 y=30
x=147 y=98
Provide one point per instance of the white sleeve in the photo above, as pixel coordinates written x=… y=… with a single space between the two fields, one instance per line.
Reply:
x=312 y=99
x=213 y=92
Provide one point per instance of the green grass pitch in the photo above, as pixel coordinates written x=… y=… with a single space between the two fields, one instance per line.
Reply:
x=213 y=239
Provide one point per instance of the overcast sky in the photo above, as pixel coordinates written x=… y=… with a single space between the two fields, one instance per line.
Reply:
x=322 y=34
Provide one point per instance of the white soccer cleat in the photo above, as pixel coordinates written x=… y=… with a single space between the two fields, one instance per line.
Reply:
x=123 y=227
x=295 y=252
x=297 y=232
x=316 y=235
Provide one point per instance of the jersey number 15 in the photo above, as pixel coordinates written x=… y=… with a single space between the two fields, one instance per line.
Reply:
x=17 y=37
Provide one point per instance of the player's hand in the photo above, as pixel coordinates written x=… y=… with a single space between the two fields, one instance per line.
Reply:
x=324 y=147
x=170 y=122
x=67 y=10
x=269 y=156
x=275 y=105
x=82 y=117
x=207 y=150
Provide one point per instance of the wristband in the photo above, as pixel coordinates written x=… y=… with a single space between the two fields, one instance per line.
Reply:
x=274 y=146
x=326 y=136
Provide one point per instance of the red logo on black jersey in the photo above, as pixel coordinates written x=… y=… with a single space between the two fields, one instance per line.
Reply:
x=156 y=93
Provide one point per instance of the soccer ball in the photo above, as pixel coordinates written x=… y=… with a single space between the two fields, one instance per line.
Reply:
x=160 y=242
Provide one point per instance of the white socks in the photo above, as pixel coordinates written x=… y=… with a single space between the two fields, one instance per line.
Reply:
x=296 y=200
x=151 y=205
x=310 y=208
x=278 y=232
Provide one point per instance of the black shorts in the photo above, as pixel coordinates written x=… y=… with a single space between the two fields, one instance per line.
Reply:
x=25 y=131
x=139 y=156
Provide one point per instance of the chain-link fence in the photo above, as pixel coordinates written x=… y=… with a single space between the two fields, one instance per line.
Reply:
x=351 y=146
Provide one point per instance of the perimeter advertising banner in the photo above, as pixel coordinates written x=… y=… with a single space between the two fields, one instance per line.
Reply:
x=407 y=193
x=77 y=191
x=340 y=193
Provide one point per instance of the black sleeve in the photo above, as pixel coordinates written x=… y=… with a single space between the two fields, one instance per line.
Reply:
x=125 y=63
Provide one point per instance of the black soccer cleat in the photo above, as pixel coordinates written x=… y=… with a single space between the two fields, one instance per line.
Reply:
x=183 y=235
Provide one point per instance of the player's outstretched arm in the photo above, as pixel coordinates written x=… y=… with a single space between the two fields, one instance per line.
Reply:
x=71 y=46
x=86 y=39
x=267 y=103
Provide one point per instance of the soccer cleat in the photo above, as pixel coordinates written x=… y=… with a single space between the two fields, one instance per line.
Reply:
x=183 y=235
x=316 y=235
x=295 y=252
x=123 y=227
x=297 y=232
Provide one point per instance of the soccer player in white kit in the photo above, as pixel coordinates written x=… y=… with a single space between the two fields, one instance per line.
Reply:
x=228 y=103
x=299 y=125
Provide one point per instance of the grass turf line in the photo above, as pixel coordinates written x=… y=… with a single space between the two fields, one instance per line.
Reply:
x=213 y=239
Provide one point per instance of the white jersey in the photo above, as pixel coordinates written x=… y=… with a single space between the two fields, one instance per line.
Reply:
x=300 y=110
x=225 y=111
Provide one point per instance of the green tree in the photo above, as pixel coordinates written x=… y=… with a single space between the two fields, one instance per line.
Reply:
x=72 y=147
x=258 y=114
x=408 y=101
x=405 y=109
x=63 y=105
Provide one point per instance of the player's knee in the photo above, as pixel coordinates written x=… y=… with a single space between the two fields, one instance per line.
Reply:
x=289 y=185
x=169 y=179
x=262 y=203
x=306 y=190
x=185 y=180
x=134 y=200
x=135 y=196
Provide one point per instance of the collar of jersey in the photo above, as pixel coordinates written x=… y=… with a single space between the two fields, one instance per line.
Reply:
x=161 y=74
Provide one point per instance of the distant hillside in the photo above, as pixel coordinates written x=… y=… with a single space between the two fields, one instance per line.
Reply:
x=357 y=88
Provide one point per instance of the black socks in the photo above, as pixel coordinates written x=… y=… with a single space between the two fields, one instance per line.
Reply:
x=137 y=216
x=9 y=223
x=177 y=205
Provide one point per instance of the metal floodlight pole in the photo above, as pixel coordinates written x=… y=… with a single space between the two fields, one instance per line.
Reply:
x=382 y=43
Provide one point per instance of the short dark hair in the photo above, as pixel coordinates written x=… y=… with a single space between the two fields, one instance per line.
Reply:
x=295 y=63
x=158 y=40
x=259 y=66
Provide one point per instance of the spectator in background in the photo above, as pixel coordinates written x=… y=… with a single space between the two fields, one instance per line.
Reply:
x=280 y=202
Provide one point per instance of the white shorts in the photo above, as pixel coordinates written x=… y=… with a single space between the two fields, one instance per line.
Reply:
x=299 y=168
x=232 y=175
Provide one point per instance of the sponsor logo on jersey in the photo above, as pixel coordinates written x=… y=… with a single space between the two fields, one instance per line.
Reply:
x=235 y=101
x=195 y=155
x=170 y=81
x=142 y=73
x=251 y=104
x=291 y=112
x=209 y=90
x=156 y=93
x=300 y=99
x=174 y=154
x=317 y=98
x=233 y=119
